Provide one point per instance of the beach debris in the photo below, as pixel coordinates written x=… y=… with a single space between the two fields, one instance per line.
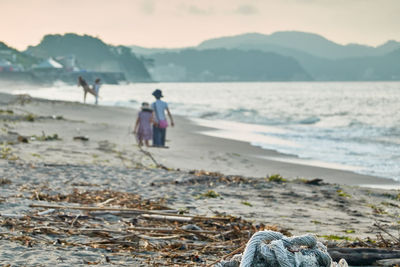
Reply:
x=269 y=248
x=81 y=138
x=7 y=153
x=247 y=203
x=4 y=181
x=23 y=139
x=147 y=153
x=42 y=213
x=14 y=216
x=276 y=178
x=363 y=256
x=388 y=262
x=209 y=194
x=30 y=117
x=126 y=223
x=45 y=137
x=6 y=111
x=316 y=181
x=57 y=117
x=212 y=178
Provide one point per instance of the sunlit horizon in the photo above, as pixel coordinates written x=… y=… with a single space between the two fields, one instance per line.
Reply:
x=180 y=23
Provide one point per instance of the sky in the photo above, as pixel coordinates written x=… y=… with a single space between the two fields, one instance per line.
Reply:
x=181 y=23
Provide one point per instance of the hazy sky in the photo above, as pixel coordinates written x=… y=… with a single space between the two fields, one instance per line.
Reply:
x=178 y=23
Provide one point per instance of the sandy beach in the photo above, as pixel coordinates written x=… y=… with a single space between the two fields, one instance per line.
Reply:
x=40 y=159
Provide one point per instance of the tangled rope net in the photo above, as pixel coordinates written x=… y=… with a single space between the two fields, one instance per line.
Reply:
x=273 y=249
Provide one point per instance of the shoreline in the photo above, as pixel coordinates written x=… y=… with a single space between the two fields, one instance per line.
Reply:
x=193 y=146
x=242 y=158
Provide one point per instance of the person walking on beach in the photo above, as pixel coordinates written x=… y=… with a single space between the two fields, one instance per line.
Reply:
x=86 y=88
x=142 y=129
x=160 y=121
x=96 y=88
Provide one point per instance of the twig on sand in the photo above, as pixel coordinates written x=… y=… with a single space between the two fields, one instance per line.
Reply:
x=165 y=218
x=106 y=202
x=226 y=256
x=384 y=230
x=72 y=223
x=170 y=230
x=147 y=153
x=127 y=209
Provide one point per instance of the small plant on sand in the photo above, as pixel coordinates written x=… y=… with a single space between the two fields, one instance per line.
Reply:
x=377 y=209
x=8 y=111
x=183 y=210
x=349 y=231
x=390 y=204
x=336 y=237
x=5 y=151
x=277 y=178
x=44 y=137
x=341 y=193
x=247 y=203
x=209 y=194
x=30 y=117
x=59 y=117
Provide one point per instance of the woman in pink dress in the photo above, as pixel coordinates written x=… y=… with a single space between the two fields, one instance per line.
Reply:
x=143 y=127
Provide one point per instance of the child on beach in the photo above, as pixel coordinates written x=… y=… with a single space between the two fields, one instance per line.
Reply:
x=96 y=89
x=143 y=129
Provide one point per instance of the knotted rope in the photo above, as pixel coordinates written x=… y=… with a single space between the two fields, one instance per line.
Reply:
x=273 y=249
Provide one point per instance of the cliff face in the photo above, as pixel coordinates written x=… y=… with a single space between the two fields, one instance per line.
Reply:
x=92 y=54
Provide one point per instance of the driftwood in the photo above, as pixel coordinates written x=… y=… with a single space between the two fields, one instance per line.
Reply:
x=170 y=230
x=165 y=218
x=239 y=249
x=389 y=262
x=126 y=213
x=42 y=213
x=12 y=216
x=127 y=209
x=82 y=138
x=362 y=256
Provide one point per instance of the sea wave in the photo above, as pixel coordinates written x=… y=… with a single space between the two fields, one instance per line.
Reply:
x=310 y=120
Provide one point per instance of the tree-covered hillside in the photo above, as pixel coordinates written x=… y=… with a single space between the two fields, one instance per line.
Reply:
x=92 y=54
x=15 y=57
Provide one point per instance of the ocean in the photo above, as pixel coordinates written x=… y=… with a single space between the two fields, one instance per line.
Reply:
x=346 y=125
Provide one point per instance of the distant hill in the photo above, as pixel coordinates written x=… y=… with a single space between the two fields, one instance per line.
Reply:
x=385 y=68
x=15 y=57
x=322 y=59
x=140 y=50
x=92 y=54
x=312 y=44
x=225 y=65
